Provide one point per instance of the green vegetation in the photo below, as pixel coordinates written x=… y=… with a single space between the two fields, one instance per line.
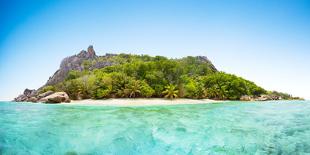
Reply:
x=227 y=86
x=47 y=88
x=134 y=76
x=170 y=92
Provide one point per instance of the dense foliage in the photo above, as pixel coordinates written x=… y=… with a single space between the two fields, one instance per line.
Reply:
x=133 y=76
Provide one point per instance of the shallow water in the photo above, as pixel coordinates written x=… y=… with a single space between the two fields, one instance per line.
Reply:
x=281 y=127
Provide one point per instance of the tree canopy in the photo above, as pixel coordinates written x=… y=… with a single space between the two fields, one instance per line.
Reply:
x=133 y=76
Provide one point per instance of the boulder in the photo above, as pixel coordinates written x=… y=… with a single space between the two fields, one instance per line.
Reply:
x=57 y=97
x=32 y=99
x=21 y=98
x=245 y=98
x=263 y=98
x=29 y=92
x=42 y=95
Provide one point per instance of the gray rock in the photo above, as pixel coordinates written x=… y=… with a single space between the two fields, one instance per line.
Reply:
x=262 y=98
x=205 y=59
x=32 y=99
x=68 y=64
x=245 y=98
x=57 y=97
x=91 y=52
x=21 y=98
x=75 y=63
x=29 y=92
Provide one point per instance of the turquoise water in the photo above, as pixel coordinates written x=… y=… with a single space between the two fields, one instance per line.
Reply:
x=281 y=127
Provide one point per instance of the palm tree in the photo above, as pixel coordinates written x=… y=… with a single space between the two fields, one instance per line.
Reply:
x=133 y=89
x=170 y=92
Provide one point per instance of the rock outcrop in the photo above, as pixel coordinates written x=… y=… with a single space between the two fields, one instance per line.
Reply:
x=84 y=60
x=246 y=98
x=205 y=59
x=75 y=62
x=72 y=63
x=263 y=97
x=57 y=97
x=47 y=97
x=28 y=93
x=68 y=64
x=32 y=99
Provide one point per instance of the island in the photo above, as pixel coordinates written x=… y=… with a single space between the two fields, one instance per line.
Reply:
x=88 y=76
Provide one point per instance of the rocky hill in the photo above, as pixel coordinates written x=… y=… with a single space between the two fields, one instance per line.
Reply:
x=86 y=75
x=74 y=63
x=78 y=63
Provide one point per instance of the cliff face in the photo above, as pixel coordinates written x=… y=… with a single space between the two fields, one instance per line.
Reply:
x=75 y=62
x=72 y=63
x=205 y=59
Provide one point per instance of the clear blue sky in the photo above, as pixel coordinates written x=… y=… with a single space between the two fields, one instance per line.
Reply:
x=266 y=41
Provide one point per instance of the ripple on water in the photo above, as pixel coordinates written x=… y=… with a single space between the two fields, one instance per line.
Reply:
x=228 y=128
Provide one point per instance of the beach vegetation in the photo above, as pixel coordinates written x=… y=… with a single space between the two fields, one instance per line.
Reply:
x=133 y=76
x=170 y=91
x=47 y=88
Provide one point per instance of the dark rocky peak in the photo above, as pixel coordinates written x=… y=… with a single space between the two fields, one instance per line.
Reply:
x=75 y=62
x=82 y=54
x=72 y=63
x=205 y=59
x=29 y=92
x=89 y=54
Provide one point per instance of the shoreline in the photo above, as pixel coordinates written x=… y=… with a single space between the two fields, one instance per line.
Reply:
x=140 y=102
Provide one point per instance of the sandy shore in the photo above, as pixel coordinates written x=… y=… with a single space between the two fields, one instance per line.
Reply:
x=141 y=102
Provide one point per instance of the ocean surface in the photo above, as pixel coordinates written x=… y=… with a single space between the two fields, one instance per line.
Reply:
x=281 y=127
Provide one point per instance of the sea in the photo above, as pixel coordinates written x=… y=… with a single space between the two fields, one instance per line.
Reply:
x=233 y=128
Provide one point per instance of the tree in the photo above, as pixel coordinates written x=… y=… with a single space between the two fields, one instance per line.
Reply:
x=73 y=88
x=47 y=88
x=145 y=76
x=132 y=89
x=227 y=86
x=170 y=92
x=103 y=86
x=194 y=89
x=146 y=90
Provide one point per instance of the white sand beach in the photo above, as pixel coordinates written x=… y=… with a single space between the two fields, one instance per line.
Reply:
x=141 y=102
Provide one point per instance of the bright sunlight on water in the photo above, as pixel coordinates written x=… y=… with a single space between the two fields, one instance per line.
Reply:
x=281 y=127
